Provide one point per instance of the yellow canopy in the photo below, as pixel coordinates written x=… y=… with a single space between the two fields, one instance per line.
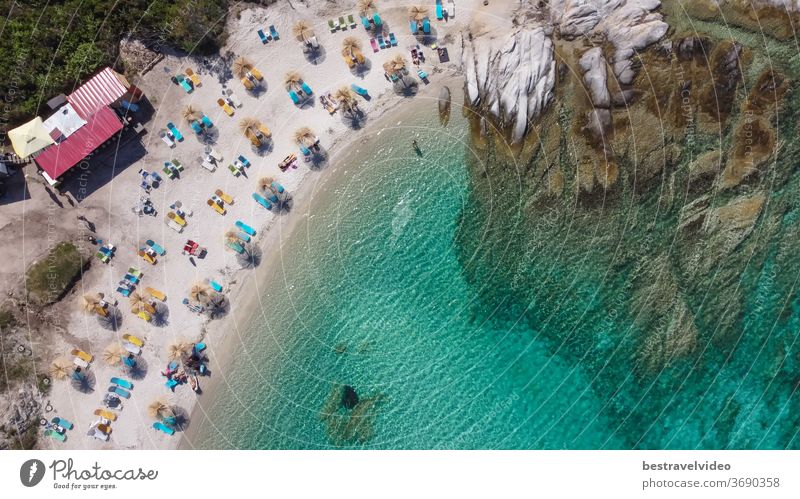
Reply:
x=30 y=138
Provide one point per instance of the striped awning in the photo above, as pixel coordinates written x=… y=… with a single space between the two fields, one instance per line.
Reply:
x=102 y=89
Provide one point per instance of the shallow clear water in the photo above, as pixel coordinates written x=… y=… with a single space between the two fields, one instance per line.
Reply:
x=459 y=327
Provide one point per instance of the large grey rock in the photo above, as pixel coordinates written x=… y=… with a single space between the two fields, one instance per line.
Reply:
x=593 y=65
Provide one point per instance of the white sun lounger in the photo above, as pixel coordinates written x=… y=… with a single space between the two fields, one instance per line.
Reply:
x=216 y=155
x=175 y=226
x=80 y=362
x=132 y=348
x=208 y=165
x=167 y=140
x=234 y=100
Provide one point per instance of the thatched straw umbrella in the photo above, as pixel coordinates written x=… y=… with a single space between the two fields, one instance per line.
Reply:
x=399 y=62
x=176 y=349
x=90 y=303
x=160 y=409
x=138 y=303
x=191 y=114
x=303 y=31
x=113 y=354
x=249 y=127
x=200 y=292
x=241 y=66
x=366 y=7
x=346 y=99
x=60 y=368
x=305 y=136
x=417 y=12
x=292 y=80
x=351 y=46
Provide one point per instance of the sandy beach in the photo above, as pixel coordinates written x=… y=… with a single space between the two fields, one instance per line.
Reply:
x=109 y=206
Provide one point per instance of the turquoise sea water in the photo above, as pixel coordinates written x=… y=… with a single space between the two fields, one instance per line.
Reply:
x=399 y=285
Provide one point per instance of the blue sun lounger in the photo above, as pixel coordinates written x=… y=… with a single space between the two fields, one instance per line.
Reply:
x=439 y=13
x=273 y=198
x=119 y=391
x=244 y=161
x=426 y=25
x=294 y=97
x=235 y=246
x=62 y=423
x=381 y=43
x=392 y=40
x=263 y=202
x=360 y=91
x=377 y=20
x=413 y=26
x=158 y=425
x=199 y=347
x=175 y=132
x=277 y=187
x=306 y=88
x=263 y=37
x=246 y=228
x=244 y=237
x=156 y=247
x=274 y=32
x=129 y=361
x=206 y=122
x=365 y=22
x=124 y=291
x=131 y=278
x=305 y=150
x=124 y=383
x=215 y=285
x=196 y=127
x=185 y=85
x=171 y=384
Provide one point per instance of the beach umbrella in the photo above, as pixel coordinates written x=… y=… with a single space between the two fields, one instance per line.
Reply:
x=350 y=46
x=240 y=66
x=113 y=354
x=346 y=98
x=60 y=368
x=191 y=114
x=249 y=126
x=417 y=12
x=160 y=409
x=398 y=62
x=302 y=30
x=305 y=136
x=30 y=138
x=200 y=292
x=138 y=303
x=176 y=349
x=366 y=7
x=292 y=79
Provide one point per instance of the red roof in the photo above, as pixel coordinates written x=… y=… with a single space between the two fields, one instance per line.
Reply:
x=101 y=90
x=99 y=127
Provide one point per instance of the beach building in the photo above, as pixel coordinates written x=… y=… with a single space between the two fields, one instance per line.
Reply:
x=82 y=122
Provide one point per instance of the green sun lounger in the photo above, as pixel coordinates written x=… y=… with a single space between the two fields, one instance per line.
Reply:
x=135 y=272
x=55 y=435
x=178 y=165
x=342 y=24
x=352 y=21
x=244 y=237
x=235 y=247
x=122 y=382
x=158 y=425
x=62 y=423
x=332 y=26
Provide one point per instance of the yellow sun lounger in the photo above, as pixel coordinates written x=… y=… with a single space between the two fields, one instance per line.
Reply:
x=264 y=130
x=225 y=197
x=192 y=76
x=349 y=61
x=256 y=74
x=248 y=84
x=219 y=209
x=176 y=218
x=158 y=295
x=147 y=258
x=105 y=414
x=225 y=107
x=133 y=340
x=82 y=355
x=143 y=315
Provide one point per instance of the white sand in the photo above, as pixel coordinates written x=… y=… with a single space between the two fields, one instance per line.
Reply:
x=174 y=274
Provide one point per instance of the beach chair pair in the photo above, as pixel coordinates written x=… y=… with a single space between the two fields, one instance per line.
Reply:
x=245 y=228
x=226 y=198
x=263 y=202
x=219 y=209
x=175 y=132
x=192 y=76
x=225 y=107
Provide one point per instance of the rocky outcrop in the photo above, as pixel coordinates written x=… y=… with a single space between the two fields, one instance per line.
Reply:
x=513 y=82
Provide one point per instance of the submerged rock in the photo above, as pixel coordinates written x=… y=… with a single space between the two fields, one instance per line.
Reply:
x=444 y=105
x=349 y=397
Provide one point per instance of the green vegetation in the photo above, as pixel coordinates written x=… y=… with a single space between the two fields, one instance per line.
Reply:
x=7 y=319
x=49 y=278
x=51 y=47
